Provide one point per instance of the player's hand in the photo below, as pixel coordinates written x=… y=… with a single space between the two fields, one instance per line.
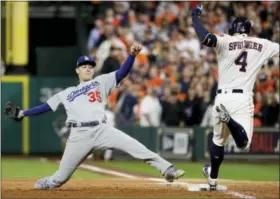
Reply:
x=12 y=111
x=197 y=11
x=135 y=49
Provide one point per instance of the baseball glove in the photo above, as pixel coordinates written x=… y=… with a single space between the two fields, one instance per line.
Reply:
x=12 y=111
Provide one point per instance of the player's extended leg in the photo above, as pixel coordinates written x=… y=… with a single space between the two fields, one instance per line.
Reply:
x=75 y=152
x=114 y=138
x=240 y=126
x=221 y=133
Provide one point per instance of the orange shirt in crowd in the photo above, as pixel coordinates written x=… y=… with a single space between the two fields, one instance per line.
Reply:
x=167 y=70
x=182 y=97
x=142 y=59
x=180 y=5
x=257 y=121
x=168 y=17
x=263 y=88
x=113 y=98
x=116 y=22
x=155 y=83
x=173 y=79
x=215 y=73
x=169 y=73
x=125 y=42
x=275 y=73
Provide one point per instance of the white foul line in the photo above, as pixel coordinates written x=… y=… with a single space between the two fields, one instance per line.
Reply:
x=183 y=184
x=107 y=171
x=239 y=195
x=124 y=175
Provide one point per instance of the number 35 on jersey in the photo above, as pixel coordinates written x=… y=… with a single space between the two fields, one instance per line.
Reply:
x=94 y=96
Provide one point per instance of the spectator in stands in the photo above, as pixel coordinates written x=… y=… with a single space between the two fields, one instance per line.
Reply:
x=107 y=39
x=173 y=56
x=188 y=43
x=127 y=101
x=270 y=110
x=258 y=102
x=94 y=35
x=277 y=88
x=263 y=83
x=171 y=110
x=213 y=87
x=193 y=106
x=149 y=39
x=112 y=62
x=154 y=80
x=207 y=119
x=166 y=11
x=150 y=110
x=139 y=27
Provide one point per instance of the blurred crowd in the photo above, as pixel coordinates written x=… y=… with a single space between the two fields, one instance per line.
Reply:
x=174 y=78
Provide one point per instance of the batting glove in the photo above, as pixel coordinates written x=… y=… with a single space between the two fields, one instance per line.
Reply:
x=197 y=11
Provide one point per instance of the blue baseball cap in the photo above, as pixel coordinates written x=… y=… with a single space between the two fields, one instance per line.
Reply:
x=85 y=60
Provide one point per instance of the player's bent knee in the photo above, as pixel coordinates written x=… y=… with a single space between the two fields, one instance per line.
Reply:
x=245 y=145
x=242 y=145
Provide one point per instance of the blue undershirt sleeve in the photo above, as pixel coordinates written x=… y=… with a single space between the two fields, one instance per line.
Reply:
x=37 y=110
x=205 y=37
x=125 y=68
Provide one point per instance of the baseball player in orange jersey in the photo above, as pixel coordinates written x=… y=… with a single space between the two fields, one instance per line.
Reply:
x=239 y=59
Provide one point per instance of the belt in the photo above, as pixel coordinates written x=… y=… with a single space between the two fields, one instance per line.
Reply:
x=85 y=124
x=233 y=91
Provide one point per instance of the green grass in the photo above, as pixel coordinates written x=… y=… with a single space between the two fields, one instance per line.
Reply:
x=34 y=168
x=255 y=172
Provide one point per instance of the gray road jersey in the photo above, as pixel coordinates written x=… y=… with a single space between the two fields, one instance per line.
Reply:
x=86 y=101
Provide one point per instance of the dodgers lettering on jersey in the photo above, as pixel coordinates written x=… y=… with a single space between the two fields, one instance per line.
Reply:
x=81 y=91
x=239 y=59
x=86 y=101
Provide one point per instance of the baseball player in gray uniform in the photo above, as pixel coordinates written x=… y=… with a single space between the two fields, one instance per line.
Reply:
x=85 y=109
x=239 y=59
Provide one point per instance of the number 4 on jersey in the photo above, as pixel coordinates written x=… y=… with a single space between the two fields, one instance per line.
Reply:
x=242 y=60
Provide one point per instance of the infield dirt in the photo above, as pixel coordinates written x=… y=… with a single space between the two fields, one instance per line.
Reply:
x=126 y=188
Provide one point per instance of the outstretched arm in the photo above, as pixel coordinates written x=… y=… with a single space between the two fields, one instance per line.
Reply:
x=16 y=113
x=127 y=65
x=125 y=68
x=51 y=105
x=36 y=110
x=205 y=37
